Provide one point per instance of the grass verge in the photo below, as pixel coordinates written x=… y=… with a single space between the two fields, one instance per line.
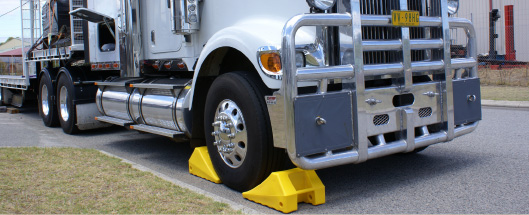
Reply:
x=505 y=77
x=505 y=93
x=73 y=181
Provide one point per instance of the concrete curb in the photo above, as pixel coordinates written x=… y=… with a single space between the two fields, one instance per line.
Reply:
x=510 y=104
x=234 y=205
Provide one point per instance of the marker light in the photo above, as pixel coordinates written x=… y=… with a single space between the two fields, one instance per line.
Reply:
x=271 y=62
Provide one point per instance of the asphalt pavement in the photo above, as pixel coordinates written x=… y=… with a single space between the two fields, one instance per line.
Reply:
x=486 y=171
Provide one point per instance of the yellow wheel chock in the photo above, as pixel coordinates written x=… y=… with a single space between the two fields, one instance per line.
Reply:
x=201 y=166
x=284 y=189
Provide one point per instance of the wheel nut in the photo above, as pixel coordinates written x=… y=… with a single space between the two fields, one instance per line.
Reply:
x=231 y=136
x=216 y=143
x=217 y=123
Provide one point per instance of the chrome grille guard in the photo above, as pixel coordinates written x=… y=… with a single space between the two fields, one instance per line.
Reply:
x=353 y=78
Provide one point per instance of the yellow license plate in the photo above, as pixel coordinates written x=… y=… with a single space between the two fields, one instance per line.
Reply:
x=405 y=18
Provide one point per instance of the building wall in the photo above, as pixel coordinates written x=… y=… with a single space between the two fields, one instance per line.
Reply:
x=11 y=44
x=478 y=12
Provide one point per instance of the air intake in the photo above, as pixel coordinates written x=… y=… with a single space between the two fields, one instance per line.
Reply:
x=381 y=119
x=425 y=112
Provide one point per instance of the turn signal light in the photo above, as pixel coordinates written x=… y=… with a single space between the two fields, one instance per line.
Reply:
x=181 y=65
x=271 y=62
x=167 y=65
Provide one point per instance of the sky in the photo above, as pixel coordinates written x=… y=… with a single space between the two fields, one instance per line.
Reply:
x=10 y=23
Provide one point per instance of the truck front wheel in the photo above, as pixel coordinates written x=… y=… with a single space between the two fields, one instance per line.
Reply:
x=238 y=132
x=47 y=108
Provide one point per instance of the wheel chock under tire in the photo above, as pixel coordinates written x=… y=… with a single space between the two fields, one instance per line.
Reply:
x=201 y=166
x=284 y=189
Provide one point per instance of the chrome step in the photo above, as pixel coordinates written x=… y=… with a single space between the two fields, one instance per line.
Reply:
x=157 y=130
x=115 y=121
x=158 y=86
x=121 y=83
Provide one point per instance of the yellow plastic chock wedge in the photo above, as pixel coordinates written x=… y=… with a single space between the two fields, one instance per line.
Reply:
x=284 y=189
x=201 y=166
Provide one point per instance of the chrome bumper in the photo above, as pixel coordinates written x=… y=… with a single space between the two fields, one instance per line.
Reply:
x=353 y=79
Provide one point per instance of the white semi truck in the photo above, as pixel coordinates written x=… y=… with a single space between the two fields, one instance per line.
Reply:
x=259 y=82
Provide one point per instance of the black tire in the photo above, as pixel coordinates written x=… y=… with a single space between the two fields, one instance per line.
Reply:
x=261 y=158
x=65 y=106
x=47 y=107
x=1 y=96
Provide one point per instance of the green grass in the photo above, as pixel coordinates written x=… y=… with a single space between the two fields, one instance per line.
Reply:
x=505 y=93
x=73 y=181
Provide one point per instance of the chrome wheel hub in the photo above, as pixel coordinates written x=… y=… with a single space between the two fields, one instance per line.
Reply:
x=44 y=100
x=230 y=133
x=63 y=99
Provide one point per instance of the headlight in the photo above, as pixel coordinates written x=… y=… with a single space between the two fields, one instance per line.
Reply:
x=453 y=6
x=300 y=59
x=322 y=4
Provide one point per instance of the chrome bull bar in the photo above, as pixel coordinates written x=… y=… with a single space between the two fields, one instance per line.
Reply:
x=356 y=74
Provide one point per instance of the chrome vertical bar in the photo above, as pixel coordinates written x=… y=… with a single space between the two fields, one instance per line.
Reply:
x=427 y=31
x=289 y=86
x=448 y=89
x=323 y=84
x=406 y=53
x=359 y=111
x=424 y=131
x=381 y=140
x=25 y=62
x=131 y=46
x=472 y=48
x=408 y=114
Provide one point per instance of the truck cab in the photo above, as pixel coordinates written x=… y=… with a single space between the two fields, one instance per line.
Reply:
x=315 y=83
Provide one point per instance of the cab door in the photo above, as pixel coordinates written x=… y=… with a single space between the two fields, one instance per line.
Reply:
x=157 y=28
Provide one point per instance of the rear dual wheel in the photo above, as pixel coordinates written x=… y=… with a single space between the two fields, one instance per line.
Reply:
x=65 y=104
x=47 y=108
x=238 y=131
x=56 y=107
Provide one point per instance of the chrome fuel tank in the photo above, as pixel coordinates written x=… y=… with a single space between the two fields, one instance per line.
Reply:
x=112 y=101
x=153 y=102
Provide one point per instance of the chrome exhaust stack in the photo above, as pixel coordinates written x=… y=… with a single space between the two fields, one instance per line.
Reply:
x=150 y=105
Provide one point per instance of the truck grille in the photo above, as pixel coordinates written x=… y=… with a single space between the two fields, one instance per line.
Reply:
x=384 y=7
